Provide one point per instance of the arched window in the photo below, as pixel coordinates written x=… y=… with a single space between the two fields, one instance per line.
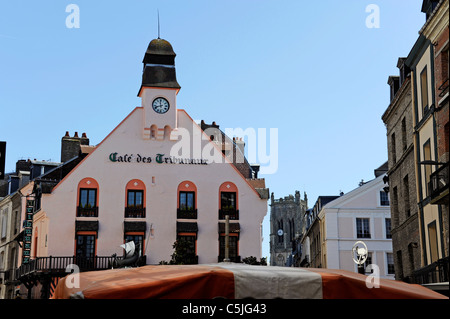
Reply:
x=228 y=201
x=187 y=200
x=135 y=199
x=87 y=198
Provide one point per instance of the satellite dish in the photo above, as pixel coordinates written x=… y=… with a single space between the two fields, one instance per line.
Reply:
x=359 y=253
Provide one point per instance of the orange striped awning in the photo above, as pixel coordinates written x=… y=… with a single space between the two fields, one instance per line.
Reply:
x=232 y=281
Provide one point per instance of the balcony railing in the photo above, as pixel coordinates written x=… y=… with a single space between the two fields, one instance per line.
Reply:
x=233 y=259
x=87 y=211
x=438 y=185
x=134 y=212
x=187 y=213
x=190 y=259
x=443 y=88
x=433 y=273
x=232 y=213
x=58 y=265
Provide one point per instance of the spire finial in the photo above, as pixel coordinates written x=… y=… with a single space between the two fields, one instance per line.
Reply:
x=158 y=26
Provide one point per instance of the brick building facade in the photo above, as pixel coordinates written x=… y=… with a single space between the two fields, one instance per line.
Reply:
x=398 y=119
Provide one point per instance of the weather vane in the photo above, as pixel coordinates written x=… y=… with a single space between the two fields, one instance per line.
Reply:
x=158 y=26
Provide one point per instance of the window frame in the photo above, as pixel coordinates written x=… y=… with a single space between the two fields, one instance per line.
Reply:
x=388 y=227
x=384 y=198
x=135 y=191
x=234 y=201
x=233 y=253
x=433 y=241
x=87 y=197
x=94 y=243
x=427 y=169
x=186 y=195
x=227 y=206
x=424 y=89
x=191 y=238
x=363 y=233
x=134 y=187
x=132 y=235
x=87 y=184
x=390 y=264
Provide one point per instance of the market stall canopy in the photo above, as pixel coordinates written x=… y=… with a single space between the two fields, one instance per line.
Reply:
x=232 y=281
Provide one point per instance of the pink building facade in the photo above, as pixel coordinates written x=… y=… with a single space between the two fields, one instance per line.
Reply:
x=156 y=178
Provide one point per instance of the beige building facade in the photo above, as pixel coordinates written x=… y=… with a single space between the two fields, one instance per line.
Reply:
x=360 y=215
x=432 y=215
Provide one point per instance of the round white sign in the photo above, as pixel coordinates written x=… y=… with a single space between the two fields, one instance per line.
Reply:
x=359 y=252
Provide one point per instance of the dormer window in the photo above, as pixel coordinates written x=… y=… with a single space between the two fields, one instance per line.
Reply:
x=428 y=7
x=404 y=70
x=393 y=82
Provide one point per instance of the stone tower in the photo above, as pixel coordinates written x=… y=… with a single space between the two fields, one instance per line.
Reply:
x=285 y=225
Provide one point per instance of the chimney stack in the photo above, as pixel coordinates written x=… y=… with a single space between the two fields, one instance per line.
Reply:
x=240 y=143
x=71 y=146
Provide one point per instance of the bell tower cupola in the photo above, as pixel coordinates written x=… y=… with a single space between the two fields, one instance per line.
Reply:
x=159 y=65
x=158 y=90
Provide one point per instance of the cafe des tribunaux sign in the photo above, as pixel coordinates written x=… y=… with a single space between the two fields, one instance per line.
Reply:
x=159 y=159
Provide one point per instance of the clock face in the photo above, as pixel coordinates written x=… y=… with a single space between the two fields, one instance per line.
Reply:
x=280 y=232
x=160 y=105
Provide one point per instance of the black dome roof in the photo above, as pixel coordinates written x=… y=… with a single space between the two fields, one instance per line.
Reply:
x=159 y=65
x=160 y=47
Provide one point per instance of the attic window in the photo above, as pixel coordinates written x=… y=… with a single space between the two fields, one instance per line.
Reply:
x=394 y=85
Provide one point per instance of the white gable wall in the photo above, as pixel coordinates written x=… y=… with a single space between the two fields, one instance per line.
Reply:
x=161 y=197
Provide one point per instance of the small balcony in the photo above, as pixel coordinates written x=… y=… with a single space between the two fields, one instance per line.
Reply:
x=87 y=211
x=48 y=270
x=134 y=212
x=186 y=213
x=57 y=266
x=436 y=272
x=438 y=186
x=232 y=213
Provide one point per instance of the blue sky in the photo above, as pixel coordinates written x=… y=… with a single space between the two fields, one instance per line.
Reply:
x=311 y=69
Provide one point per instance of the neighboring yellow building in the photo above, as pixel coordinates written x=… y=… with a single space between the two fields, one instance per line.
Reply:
x=421 y=60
